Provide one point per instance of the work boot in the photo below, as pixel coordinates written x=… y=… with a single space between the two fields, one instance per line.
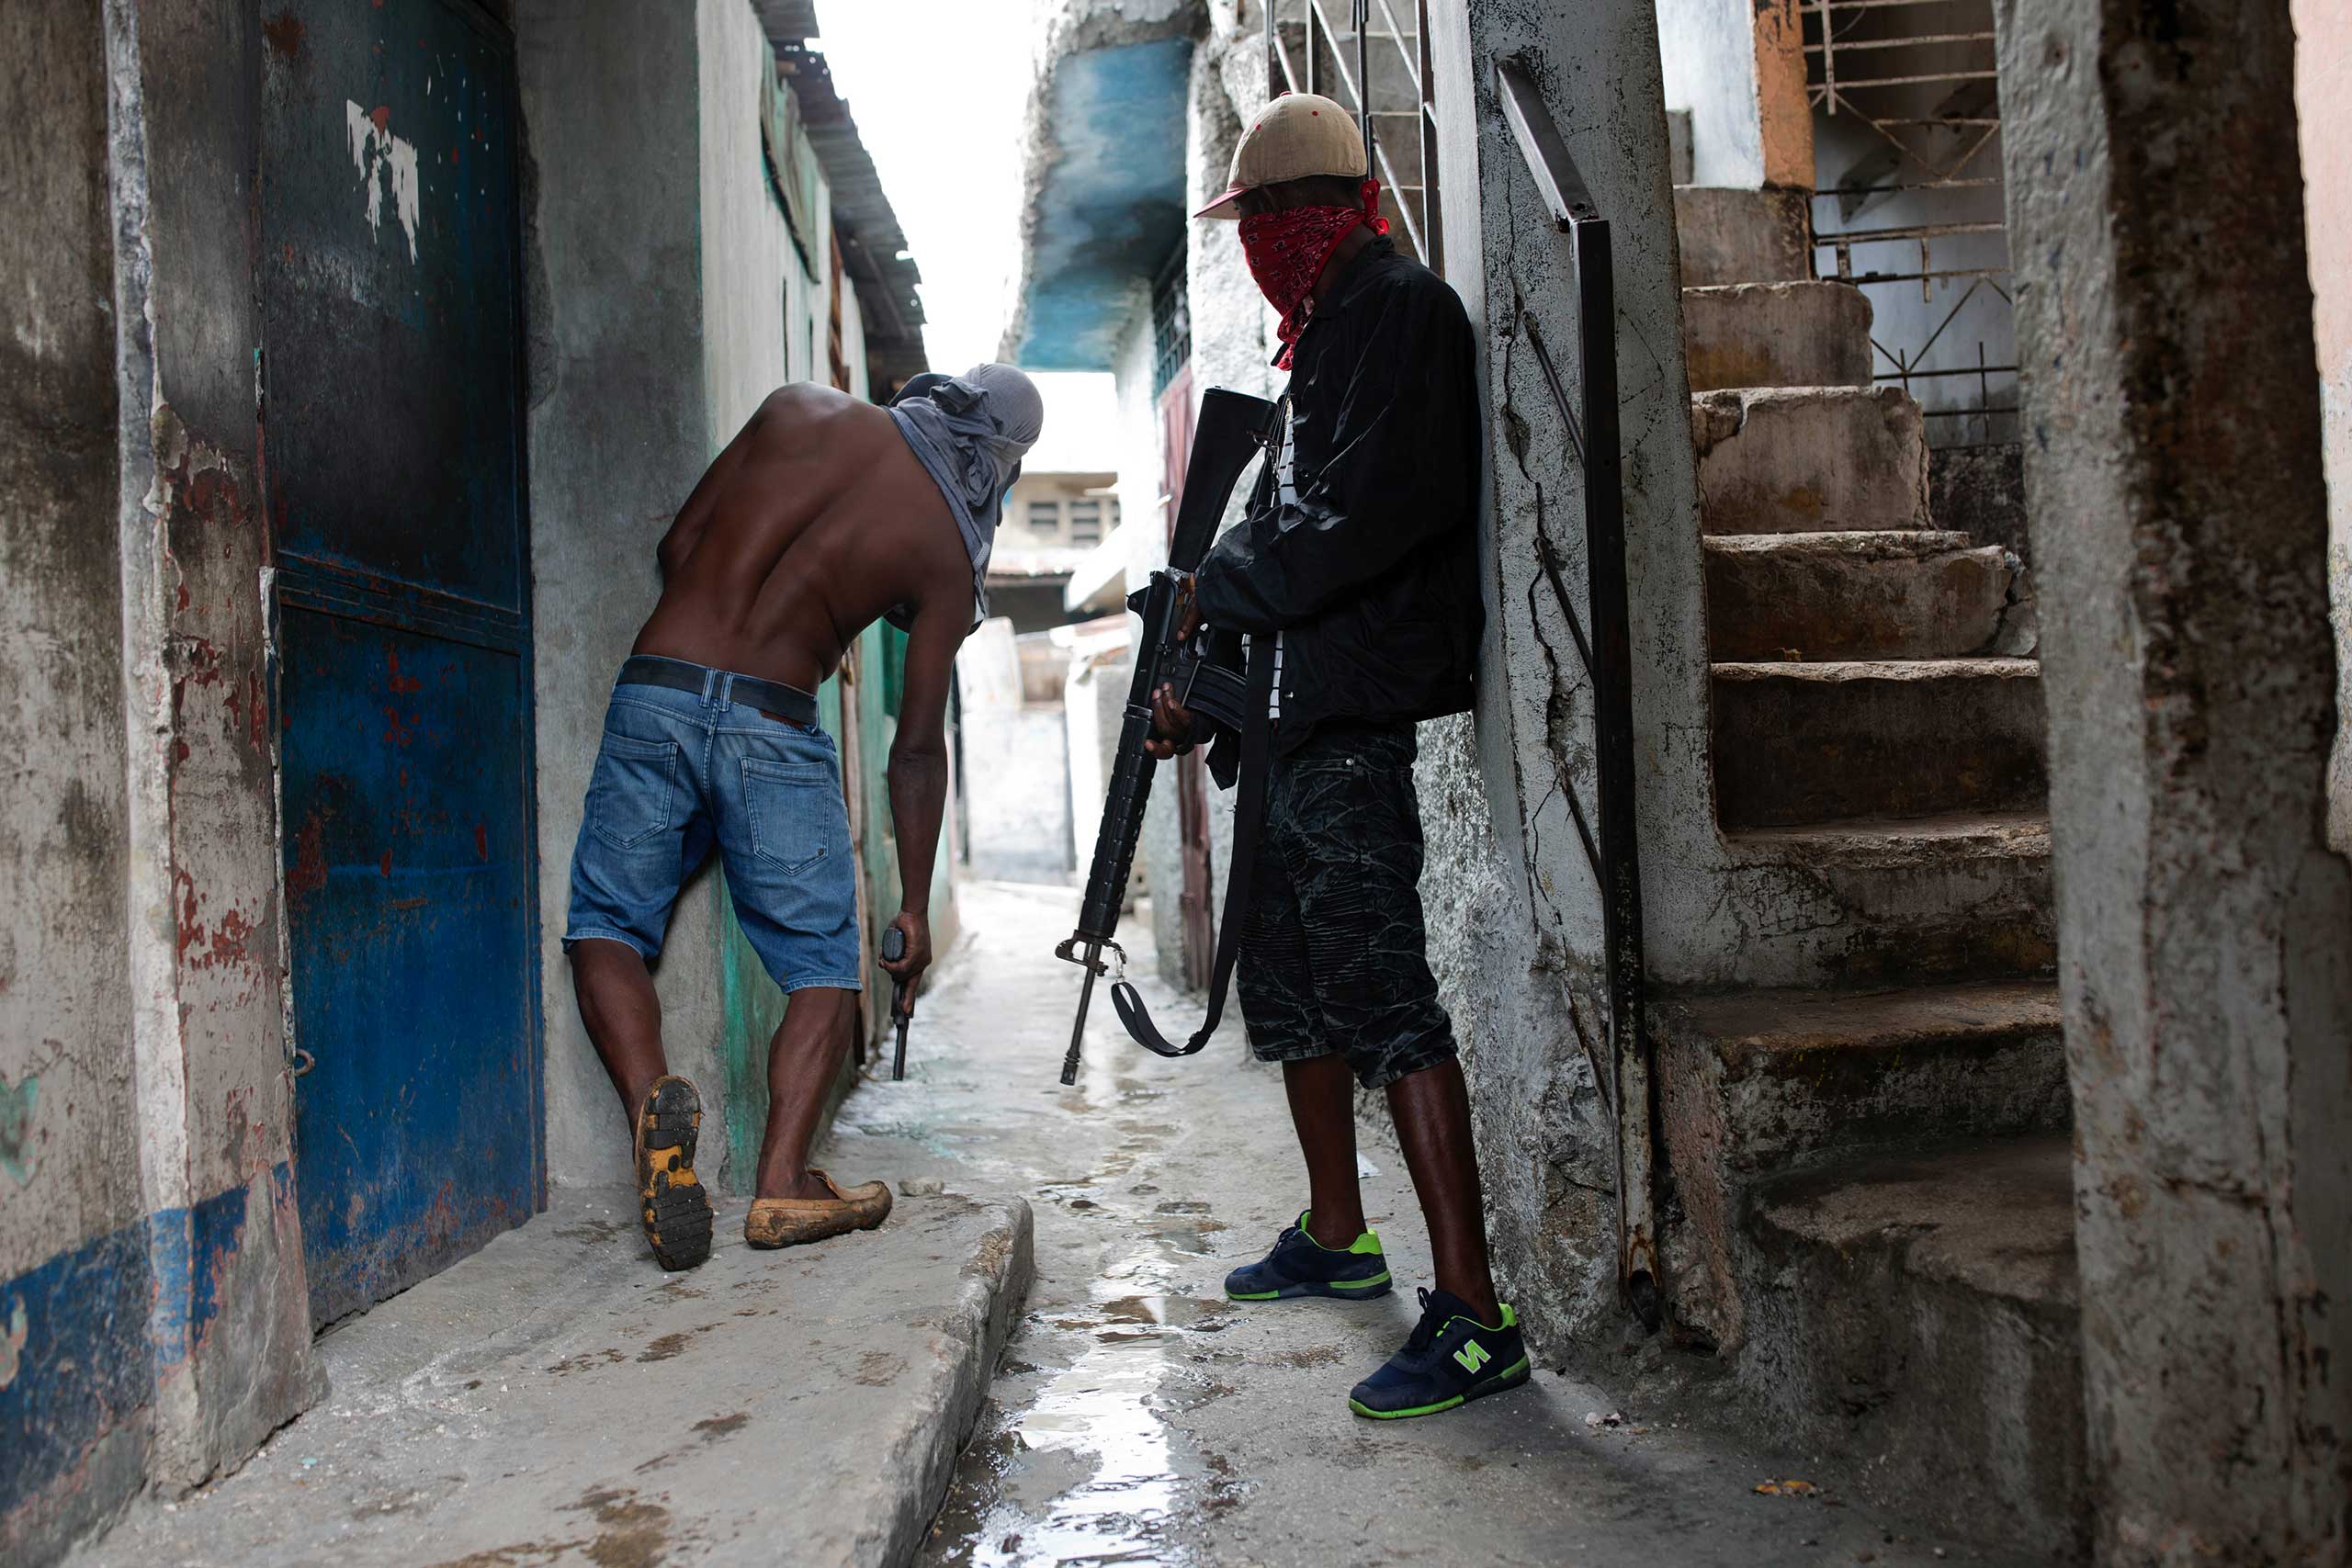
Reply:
x=1301 y=1266
x=670 y=1197
x=793 y=1222
x=1451 y=1359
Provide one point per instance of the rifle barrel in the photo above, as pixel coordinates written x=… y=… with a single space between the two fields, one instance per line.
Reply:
x=1078 y=1030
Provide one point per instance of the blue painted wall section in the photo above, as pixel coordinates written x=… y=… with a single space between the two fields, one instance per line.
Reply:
x=74 y=1363
x=1112 y=206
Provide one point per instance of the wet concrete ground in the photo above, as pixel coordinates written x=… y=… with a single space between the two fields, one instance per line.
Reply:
x=1138 y=1418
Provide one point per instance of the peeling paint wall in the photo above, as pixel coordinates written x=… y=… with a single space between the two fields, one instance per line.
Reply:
x=232 y=1318
x=75 y=1380
x=154 y=1316
x=2323 y=106
x=2178 y=505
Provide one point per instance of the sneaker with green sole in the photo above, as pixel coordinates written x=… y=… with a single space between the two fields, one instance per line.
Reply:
x=1451 y=1359
x=1301 y=1266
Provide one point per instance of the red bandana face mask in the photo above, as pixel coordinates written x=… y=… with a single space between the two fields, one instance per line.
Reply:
x=1288 y=252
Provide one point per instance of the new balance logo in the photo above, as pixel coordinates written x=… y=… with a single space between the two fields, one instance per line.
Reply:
x=1473 y=1356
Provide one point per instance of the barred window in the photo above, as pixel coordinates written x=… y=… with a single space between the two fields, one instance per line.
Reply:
x=1171 y=322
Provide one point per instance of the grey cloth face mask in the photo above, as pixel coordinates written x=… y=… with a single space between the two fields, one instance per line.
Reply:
x=970 y=433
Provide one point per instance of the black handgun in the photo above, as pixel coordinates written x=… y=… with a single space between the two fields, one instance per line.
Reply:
x=1232 y=429
x=894 y=947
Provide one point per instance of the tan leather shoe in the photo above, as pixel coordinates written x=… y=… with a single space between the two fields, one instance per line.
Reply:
x=790 y=1221
x=672 y=1203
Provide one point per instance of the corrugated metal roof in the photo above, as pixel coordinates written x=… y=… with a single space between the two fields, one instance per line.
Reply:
x=787 y=21
x=871 y=240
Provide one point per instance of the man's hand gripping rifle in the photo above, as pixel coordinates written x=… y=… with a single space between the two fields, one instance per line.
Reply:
x=1232 y=429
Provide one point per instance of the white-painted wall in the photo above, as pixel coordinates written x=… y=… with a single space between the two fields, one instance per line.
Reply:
x=2324 y=102
x=1708 y=52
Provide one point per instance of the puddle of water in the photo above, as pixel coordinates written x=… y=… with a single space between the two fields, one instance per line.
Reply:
x=1087 y=1470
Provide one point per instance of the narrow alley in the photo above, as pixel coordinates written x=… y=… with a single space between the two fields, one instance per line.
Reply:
x=1746 y=608
x=557 y=1399
x=1139 y=1418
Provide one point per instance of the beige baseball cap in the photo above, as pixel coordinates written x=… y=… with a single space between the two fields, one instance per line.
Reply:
x=1296 y=135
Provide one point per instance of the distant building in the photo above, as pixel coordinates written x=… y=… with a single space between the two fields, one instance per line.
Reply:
x=1052 y=523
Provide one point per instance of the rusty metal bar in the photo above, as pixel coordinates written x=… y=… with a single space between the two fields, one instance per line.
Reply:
x=1377 y=158
x=1904 y=43
x=1848 y=85
x=1823 y=7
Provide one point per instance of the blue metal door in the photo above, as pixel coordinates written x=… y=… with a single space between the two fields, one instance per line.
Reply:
x=392 y=438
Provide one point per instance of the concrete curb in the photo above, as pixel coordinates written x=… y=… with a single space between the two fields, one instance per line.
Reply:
x=556 y=1396
x=992 y=1287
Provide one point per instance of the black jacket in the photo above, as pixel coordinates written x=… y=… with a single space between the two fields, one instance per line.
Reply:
x=1372 y=573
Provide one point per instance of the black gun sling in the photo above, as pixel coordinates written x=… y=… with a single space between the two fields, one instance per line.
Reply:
x=1248 y=826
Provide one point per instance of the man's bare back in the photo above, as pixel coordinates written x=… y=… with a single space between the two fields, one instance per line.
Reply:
x=816 y=520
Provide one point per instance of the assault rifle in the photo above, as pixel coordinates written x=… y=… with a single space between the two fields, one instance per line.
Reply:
x=1232 y=429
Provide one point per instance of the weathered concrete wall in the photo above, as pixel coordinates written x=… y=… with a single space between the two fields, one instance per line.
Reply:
x=231 y=1326
x=2324 y=109
x=2174 y=475
x=1517 y=906
x=153 y=1309
x=76 y=1378
x=619 y=433
x=1737 y=70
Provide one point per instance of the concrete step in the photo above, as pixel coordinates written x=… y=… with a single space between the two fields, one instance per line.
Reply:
x=1797 y=743
x=1771 y=1079
x=1776 y=334
x=1729 y=234
x=1918 y=1317
x=1917 y=901
x=1910 y=594
x=1805 y=459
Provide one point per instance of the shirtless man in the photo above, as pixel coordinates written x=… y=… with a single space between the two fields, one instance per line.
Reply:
x=823 y=516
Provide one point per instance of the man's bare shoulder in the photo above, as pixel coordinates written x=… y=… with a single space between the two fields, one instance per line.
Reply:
x=800 y=407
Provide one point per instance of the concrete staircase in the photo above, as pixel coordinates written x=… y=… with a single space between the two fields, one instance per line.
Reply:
x=1871 y=1206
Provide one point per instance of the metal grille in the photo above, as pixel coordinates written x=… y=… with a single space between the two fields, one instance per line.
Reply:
x=1909 y=205
x=1373 y=57
x=1171 y=322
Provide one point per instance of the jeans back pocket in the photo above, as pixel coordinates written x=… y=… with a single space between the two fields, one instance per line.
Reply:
x=632 y=794
x=793 y=807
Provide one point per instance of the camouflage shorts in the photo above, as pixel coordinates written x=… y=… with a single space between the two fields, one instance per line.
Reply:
x=1334 y=956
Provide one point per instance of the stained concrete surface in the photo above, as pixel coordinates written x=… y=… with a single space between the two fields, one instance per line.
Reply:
x=554 y=1399
x=557 y=1399
x=1138 y=1418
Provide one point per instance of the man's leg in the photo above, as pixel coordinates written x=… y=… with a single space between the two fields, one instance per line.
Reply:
x=1322 y=1093
x=1431 y=1110
x=802 y=1061
x=623 y=1013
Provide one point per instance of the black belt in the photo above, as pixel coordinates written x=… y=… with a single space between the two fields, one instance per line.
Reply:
x=769 y=696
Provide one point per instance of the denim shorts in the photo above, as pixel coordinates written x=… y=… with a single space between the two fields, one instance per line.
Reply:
x=1334 y=954
x=681 y=771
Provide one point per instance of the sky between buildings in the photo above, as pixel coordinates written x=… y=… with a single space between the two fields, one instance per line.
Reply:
x=941 y=92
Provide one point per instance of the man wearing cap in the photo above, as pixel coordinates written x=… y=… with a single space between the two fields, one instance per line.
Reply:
x=1354 y=580
x=823 y=514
